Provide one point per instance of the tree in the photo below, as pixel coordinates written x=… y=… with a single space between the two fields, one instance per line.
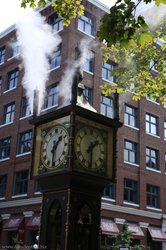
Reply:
x=124 y=239
x=140 y=60
x=140 y=67
x=122 y=23
x=129 y=42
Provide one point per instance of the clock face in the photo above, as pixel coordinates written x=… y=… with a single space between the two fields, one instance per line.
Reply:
x=54 y=147
x=90 y=148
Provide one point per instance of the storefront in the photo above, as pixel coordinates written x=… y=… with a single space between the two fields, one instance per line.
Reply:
x=15 y=229
x=32 y=229
x=155 y=238
x=109 y=229
x=18 y=231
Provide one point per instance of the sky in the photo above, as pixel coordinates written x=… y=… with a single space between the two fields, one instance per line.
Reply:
x=11 y=12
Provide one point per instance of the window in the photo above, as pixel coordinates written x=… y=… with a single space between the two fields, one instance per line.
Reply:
x=109 y=191
x=151 y=124
x=152 y=99
x=3 y=182
x=21 y=183
x=25 y=142
x=152 y=158
x=55 y=60
x=106 y=106
x=88 y=94
x=86 y=23
x=12 y=79
x=51 y=98
x=89 y=63
x=9 y=110
x=2 y=55
x=130 y=152
x=130 y=191
x=37 y=187
x=131 y=87
x=106 y=241
x=107 y=67
x=15 y=50
x=165 y=130
x=131 y=116
x=152 y=66
x=4 y=148
x=25 y=108
x=153 y=196
x=55 y=22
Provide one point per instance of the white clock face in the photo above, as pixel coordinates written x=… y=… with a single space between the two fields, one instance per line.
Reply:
x=90 y=148
x=55 y=147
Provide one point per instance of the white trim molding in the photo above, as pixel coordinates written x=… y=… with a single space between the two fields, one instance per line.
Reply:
x=28 y=213
x=132 y=211
x=21 y=202
x=5 y=216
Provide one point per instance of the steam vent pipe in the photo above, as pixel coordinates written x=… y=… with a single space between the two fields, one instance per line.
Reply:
x=36 y=102
x=116 y=105
x=77 y=79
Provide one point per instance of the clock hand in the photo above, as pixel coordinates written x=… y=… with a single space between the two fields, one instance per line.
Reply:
x=54 y=147
x=90 y=150
x=91 y=146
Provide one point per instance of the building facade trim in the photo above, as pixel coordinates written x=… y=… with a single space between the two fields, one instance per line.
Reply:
x=21 y=202
x=131 y=211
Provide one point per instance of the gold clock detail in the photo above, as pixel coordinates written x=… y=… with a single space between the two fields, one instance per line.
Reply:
x=90 y=148
x=54 y=147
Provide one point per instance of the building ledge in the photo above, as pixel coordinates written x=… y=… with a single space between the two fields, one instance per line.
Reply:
x=104 y=205
x=131 y=211
x=21 y=202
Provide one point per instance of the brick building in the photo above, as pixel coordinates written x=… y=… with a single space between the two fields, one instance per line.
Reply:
x=136 y=196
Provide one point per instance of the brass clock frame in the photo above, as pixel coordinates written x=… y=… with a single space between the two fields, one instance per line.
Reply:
x=101 y=137
x=93 y=147
x=54 y=147
x=45 y=134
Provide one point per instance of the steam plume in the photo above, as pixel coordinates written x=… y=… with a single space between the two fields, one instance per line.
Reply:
x=37 y=43
x=67 y=79
x=153 y=14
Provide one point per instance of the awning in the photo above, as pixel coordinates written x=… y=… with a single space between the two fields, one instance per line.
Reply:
x=136 y=231
x=157 y=234
x=34 y=222
x=109 y=227
x=13 y=223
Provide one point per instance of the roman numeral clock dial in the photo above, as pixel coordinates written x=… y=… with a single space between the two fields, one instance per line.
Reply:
x=54 y=147
x=90 y=149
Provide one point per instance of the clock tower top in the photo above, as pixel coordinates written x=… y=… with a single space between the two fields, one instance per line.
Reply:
x=73 y=138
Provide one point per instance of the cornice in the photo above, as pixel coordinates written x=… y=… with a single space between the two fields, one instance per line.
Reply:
x=131 y=211
x=104 y=205
x=21 y=202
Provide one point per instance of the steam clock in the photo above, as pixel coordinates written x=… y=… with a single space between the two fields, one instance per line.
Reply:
x=74 y=155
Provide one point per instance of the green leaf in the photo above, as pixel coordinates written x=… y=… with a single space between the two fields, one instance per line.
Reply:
x=158 y=2
x=145 y=38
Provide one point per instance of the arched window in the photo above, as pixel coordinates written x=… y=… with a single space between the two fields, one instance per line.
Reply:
x=83 y=228
x=54 y=226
